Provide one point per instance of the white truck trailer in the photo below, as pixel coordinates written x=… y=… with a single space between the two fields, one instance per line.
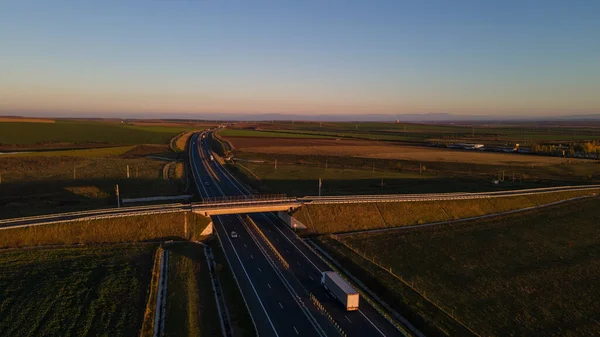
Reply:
x=341 y=289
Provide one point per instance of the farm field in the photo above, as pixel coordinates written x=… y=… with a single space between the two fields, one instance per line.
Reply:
x=527 y=274
x=266 y=134
x=96 y=291
x=384 y=150
x=55 y=181
x=21 y=135
x=338 y=218
x=355 y=176
x=461 y=170
x=302 y=180
x=191 y=308
x=466 y=131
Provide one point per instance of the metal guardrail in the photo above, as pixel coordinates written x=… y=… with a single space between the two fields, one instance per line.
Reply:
x=283 y=261
x=94 y=211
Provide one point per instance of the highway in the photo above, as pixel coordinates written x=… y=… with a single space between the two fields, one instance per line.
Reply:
x=275 y=307
x=304 y=272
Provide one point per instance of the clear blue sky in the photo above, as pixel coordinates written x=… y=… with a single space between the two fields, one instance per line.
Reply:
x=299 y=56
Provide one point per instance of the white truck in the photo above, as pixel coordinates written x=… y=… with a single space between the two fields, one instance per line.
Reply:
x=341 y=289
x=212 y=157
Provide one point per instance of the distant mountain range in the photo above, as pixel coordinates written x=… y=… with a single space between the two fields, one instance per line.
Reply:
x=427 y=117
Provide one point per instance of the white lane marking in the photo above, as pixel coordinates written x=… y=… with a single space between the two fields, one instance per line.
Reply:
x=245 y=245
x=287 y=251
x=259 y=270
x=269 y=285
x=252 y=256
x=290 y=240
x=281 y=306
x=248 y=277
x=348 y=319
x=375 y=326
x=310 y=277
x=297 y=333
x=298 y=263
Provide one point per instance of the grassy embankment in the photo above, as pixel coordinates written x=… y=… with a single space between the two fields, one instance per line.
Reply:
x=336 y=218
x=97 y=291
x=526 y=274
x=191 y=307
x=125 y=229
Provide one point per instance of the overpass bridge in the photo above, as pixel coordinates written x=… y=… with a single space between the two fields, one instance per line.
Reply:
x=246 y=206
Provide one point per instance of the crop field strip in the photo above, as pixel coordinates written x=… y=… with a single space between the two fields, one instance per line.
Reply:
x=523 y=132
x=75 y=291
x=85 y=132
x=526 y=274
x=79 y=179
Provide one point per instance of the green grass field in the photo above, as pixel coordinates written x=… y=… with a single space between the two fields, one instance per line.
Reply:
x=272 y=134
x=519 y=133
x=60 y=181
x=191 y=307
x=530 y=274
x=98 y=152
x=85 y=132
x=92 y=291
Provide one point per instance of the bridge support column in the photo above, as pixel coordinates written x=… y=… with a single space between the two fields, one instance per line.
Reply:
x=290 y=220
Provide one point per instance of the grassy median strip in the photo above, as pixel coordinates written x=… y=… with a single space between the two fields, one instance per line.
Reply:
x=522 y=274
x=88 y=291
x=191 y=307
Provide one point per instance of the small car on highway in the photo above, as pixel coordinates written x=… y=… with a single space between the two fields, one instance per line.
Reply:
x=234 y=235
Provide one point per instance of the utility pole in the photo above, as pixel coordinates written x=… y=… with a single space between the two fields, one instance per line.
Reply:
x=355 y=126
x=276 y=164
x=320 y=183
x=127 y=171
x=118 y=196
x=420 y=168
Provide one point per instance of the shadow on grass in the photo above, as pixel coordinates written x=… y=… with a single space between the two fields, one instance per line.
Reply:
x=44 y=197
x=304 y=187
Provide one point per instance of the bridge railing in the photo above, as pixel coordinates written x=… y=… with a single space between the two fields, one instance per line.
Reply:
x=242 y=198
